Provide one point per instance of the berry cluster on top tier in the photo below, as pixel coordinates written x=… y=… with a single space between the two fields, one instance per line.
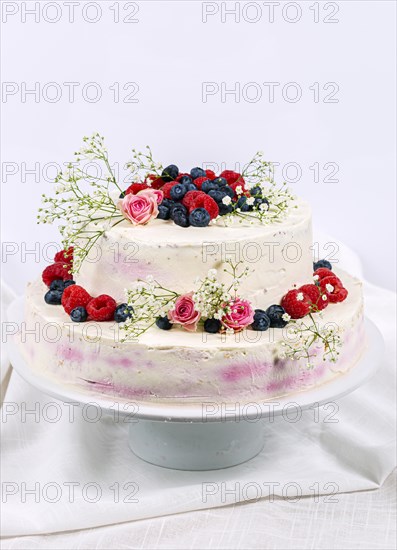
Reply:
x=76 y=301
x=196 y=198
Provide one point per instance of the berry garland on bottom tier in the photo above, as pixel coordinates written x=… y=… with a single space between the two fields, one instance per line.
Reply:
x=214 y=306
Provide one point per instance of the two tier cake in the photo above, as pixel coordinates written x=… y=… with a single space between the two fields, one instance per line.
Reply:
x=188 y=286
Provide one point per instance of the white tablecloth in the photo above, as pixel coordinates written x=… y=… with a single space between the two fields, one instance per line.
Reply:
x=346 y=464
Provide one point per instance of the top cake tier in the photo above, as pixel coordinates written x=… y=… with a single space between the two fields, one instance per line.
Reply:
x=278 y=256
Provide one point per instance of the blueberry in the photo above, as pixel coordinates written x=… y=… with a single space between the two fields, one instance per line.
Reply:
x=167 y=202
x=191 y=187
x=228 y=190
x=177 y=207
x=220 y=182
x=170 y=173
x=212 y=326
x=275 y=314
x=164 y=212
x=208 y=185
x=261 y=320
x=199 y=217
x=79 y=314
x=242 y=204
x=217 y=194
x=163 y=323
x=197 y=173
x=122 y=195
x=261 y=200
x=225 y=209
x=58 y=284
x=53 y=297
x=256 y=191
x=322 y=263
x=123 y=312
x=186 y=180
x=180 y=218
x=68 y=283
x=178 y=192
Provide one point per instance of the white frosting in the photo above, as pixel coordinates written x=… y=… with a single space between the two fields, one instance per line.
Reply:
x=177 y=364
x=279 y=256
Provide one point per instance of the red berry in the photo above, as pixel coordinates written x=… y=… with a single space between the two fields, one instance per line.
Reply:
x=211 y=206
x=135 y=187
x=190 y=198
x=74 y=296
x=199 y=199
x=101 y=308
x=233 y=177
x=198 y=182
x=334 y=289
x=167 y=188
x=155 y=181
x=210 y=174
x=316 y=297
x=322 y=272
x=65 y=256
x=55 y=271
x=296 y=304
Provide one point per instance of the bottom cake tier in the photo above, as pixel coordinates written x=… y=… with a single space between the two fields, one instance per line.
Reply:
x=178 y=365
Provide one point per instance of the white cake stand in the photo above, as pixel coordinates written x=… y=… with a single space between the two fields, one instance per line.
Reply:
x=203 y=435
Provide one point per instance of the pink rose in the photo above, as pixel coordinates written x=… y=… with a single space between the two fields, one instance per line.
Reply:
x=142 y=207
x=184 y=313
x=240 y=316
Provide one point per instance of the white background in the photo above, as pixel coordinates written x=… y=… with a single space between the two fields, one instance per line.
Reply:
x=169 y=52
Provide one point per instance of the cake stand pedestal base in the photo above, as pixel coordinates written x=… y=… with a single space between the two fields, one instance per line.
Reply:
x=196 y=445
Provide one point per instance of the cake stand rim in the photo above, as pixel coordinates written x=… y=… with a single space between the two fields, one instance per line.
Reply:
x=336 y=388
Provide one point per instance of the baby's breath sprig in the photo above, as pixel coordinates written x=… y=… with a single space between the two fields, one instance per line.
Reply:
x=213 y=297
x=268 y=202
x=303 y=338
x=143 y=164
x=149 y=300
x=84 y=215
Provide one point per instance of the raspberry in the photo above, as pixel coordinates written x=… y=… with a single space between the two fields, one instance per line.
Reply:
x=296 y=304
x=233 y=177
x=199 y=199
x=65 y=256
x=189 y=199
x=135 y=187
x=210 y=174
x=334 y=289
x=55 y=271
x=166 y=189
x=211 y=206
x=198 y=182
x=155 y=181
x=101 y=308
x=316 y=297
x=322 y=272
x=74 y=296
